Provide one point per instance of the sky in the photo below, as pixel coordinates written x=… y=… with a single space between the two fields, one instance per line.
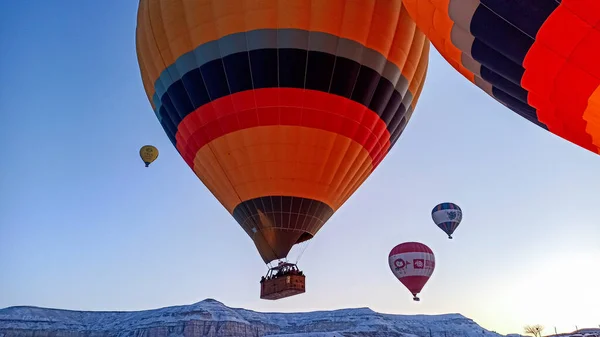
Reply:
x=84 y=225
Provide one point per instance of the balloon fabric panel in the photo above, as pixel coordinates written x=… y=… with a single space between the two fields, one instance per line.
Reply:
x=281 y=108
x=538 y=58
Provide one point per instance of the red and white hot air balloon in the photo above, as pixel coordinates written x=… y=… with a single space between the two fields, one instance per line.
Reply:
x=412 y=263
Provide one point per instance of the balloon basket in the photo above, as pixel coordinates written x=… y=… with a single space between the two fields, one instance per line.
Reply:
x=282 y=281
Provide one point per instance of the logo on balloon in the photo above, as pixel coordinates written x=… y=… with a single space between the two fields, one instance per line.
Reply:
x=418 y=263
x=454 y=215
x=400 y=264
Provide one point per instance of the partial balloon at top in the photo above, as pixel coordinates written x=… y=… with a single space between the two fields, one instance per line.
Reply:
x=538 y=58
x=281 y=107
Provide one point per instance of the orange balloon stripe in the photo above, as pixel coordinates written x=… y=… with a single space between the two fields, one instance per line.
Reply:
x=282 y=160
x=162 y=37
x=283 y=106
x=592 y=117
x=433 y=20
x=416 y=86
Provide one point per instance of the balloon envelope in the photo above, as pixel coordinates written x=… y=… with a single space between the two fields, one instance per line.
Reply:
x=447 y=216
x=148 y=153
x=282 y=108
x=538 y=58
x=412 y=263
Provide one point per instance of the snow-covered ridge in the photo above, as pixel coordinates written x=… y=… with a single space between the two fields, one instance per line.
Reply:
x=355 y=322
x=593 y=332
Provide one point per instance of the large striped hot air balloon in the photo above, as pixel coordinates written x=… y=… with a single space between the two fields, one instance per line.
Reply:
x=281 y=107
x=539 y=58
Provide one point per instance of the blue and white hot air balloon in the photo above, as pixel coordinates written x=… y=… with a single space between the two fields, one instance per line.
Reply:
x=447 y=216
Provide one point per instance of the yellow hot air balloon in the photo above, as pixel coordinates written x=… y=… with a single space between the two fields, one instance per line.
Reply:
x=282 y=108
x=148 y=153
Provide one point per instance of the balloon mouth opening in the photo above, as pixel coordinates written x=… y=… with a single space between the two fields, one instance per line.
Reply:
x=304 y=237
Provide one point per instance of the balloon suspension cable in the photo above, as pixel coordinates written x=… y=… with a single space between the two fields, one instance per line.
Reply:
x=303 y=250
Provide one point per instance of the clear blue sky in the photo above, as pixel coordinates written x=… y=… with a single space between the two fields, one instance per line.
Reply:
x=83 y=225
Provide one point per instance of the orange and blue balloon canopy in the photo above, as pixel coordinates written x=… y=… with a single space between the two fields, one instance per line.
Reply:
x=282 y=108
x=537 y=57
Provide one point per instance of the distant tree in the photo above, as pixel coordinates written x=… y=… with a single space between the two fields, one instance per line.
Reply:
x=535 y=330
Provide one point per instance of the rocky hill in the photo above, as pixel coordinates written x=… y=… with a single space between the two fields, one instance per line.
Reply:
x=214 y=319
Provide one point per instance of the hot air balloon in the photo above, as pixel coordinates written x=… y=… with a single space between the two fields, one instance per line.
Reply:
x=538 y=58
x=148 y=153
x=282 y=108
x=447 y=216
x=412 y=263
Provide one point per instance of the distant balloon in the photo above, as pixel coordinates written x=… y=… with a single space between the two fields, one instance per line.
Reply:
x=447 y=216
x=148 y=153
x=412 y=263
